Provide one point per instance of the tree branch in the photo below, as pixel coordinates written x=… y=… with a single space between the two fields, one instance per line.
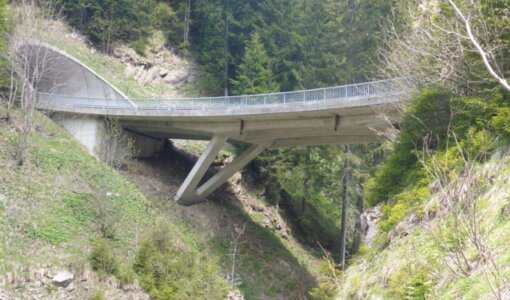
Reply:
x=478 y=47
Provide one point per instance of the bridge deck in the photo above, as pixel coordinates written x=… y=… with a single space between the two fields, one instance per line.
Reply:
x=336 y=115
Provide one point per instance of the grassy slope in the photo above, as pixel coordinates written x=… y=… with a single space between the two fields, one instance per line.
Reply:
x=416 y=258
x=50 y=213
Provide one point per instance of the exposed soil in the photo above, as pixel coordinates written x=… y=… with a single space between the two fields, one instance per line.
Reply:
x=266 y=268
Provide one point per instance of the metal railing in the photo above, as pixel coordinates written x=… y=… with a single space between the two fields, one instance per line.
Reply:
x=339 y=93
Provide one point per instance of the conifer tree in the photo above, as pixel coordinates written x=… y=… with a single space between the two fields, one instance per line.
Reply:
x=254 y=73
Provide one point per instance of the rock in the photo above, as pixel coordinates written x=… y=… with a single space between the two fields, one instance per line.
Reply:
x=177 y=76
x=163 y=73
x=62 y=279
x=3 y=295
x=235 y=295
x=506 y=209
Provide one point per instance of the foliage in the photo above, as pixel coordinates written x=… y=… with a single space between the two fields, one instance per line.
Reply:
x=171 y=271
x=438 y=130
x=103 y=259
x=105 y=22
x=312 y=43
x=404 y=202
x=97 y=295
x=139 y=46
x=328 y=282
x=411 y=282
x=254 y=73
x=427 y=118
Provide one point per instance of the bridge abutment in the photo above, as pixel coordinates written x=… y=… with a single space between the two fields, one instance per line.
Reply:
x=99 y=141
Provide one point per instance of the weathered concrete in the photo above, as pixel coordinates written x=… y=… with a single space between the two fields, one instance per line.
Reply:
x=65 y=75
x=349 y=119
x=187 y=189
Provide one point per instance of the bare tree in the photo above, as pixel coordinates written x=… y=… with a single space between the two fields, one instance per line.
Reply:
x=117 y=147
x=486 y=55
x=13 y=91
x=233 y=253
x=31 y=62
x=439 y=48
x=458 y=232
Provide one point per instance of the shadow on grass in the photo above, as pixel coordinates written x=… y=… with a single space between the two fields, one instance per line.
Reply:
x=265 y=268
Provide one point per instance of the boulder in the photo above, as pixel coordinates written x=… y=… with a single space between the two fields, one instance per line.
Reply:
x=62 y=279
x=163 y=73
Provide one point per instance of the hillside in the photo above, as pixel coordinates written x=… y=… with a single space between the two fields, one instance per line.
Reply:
x=61 y=204
x=423 y=215
x=159 y=72
x=431 y=256
x=89 y=213
x=53 y=223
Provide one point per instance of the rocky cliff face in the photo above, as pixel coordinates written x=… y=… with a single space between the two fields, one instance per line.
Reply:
x=158 y=65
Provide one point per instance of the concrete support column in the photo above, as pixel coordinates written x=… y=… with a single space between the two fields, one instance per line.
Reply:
x=186 y=191
x=221 y=177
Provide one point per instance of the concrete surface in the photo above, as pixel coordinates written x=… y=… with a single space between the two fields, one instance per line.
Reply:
x=80 y=93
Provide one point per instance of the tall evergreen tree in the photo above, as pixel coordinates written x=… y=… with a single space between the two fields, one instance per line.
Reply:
x=254 y=73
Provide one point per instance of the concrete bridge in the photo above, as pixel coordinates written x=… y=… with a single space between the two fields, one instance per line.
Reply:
x=79 y=100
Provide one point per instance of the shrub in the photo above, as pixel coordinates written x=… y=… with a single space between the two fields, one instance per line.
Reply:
x=103 y=259
x=410 y=282
x=427 y=116
x=169 y=270
x=97 y=295
x=125 y=275
x=408 y=201
x=328 y=282
x=140 y=46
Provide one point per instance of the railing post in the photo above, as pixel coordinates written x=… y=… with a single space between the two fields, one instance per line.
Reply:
x=284 y=98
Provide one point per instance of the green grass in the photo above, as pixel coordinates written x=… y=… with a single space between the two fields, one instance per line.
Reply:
x=53 y=202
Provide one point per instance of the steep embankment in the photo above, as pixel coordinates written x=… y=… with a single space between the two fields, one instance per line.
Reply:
x=268 y=262
x=456 y=248
x=159 y=72
x=64 y=210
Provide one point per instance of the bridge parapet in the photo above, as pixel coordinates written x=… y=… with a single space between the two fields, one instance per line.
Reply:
x=366 y=90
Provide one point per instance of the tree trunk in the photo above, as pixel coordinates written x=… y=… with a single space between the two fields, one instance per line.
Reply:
x=225 y=49
x=187 y=14
x=343 y=230
x=358 y=230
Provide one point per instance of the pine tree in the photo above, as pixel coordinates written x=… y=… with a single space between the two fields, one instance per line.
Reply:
x=254 y=74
